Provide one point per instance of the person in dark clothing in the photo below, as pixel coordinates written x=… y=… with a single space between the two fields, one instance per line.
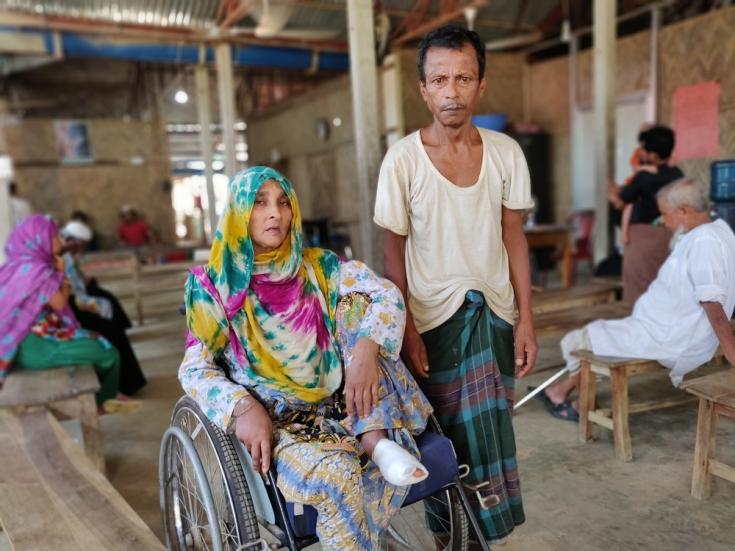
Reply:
x=99 y=310
x=649 y=241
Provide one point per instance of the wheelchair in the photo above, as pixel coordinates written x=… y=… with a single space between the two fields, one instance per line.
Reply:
x=212 y=499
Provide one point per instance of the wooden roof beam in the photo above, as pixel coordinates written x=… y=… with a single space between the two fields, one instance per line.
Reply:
x=243 y=8
x=88 y=26
x=437 y=22
x=479 y=22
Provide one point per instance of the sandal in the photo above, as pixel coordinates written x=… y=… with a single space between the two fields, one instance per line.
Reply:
x=564 y=411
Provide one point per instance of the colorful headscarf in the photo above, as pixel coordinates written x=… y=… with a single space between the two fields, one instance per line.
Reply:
x=28 y=280
x=276 y=310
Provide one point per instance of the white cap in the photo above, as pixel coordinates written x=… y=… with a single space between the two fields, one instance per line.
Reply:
x=77 y=230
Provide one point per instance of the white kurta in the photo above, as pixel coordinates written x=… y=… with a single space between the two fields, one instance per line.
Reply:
x=668 y=323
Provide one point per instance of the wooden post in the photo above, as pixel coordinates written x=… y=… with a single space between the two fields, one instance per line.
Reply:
x=5 y=175
x=226 y=89
x=704 y=449
x=620 y=413
x=652 y=98
x=137 y=290
x=604 y=30
x=364 y=79
x=205 y=138
x=4 y=216
x=587 y=397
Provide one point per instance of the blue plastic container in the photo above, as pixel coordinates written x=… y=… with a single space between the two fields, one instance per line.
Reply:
x=722 y=181
x=726 y=211
x=491 y=121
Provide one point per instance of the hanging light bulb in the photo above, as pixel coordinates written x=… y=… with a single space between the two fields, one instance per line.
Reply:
x=566 y=25
x=470 y=13
x=181 y=96
x=566 y=31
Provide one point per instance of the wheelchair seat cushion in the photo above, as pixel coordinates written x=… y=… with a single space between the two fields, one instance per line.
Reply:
x=437 y=455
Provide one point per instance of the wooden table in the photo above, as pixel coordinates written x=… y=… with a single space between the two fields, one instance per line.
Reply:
x=547 y=235
x=716 y=395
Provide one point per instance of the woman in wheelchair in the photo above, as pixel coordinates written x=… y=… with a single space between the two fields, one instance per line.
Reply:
x=296 y=352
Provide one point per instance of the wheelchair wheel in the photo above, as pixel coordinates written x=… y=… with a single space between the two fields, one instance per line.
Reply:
x=182 y=503
x=408 y=530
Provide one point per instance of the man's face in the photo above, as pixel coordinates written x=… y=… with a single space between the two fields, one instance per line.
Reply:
x=453 y=86
x=675 y=219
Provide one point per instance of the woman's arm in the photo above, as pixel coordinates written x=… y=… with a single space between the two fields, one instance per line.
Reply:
x=60 y=299
x=208 y=385
x=97 y=305
x=380 y=332
x=385 y=318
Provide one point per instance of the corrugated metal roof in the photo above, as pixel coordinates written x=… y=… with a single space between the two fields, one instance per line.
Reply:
x=183 y=13
x=495 y=20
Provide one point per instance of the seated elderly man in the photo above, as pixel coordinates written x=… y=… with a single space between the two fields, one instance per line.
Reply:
x=685 y=313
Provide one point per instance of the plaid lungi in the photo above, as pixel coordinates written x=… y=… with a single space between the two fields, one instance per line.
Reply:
x=470 y=385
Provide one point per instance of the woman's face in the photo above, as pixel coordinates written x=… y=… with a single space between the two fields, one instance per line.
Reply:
x=270 y=220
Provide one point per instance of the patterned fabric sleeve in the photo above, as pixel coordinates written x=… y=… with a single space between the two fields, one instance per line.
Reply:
x=385 y=318
x=208 y=385
x=96 y=305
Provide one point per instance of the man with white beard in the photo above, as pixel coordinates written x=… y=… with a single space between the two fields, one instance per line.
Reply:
x=685 y=313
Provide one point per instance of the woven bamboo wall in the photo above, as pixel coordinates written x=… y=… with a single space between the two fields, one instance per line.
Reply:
x=549 y=108
x=697 y=50
x=632 y=72
x=101 y=187
x=700 y=50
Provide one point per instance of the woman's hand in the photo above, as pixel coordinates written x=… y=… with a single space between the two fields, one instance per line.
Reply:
x=362 y=379
x=61 y=297
x=254 y=428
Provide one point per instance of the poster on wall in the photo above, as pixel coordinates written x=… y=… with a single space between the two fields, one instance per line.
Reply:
x=72 y=142
x=696 y=118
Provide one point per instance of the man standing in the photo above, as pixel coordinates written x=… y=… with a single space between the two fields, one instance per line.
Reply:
x=647 y=246
x=451 y=198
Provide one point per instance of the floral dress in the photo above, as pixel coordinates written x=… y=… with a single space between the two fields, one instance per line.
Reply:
x=317 y=455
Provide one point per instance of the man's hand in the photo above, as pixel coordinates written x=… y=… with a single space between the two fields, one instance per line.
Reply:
x=362 y=379
x=414 y=353
x=526 y=348
x=254 y=428
x=721 y=325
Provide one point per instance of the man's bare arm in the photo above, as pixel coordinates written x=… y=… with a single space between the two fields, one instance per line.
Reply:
x=721 y=325
x=516 y=246
x=394 y=259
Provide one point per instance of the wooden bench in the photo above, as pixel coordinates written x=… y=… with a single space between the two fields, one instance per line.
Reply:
x=716 y=395
x=562 y=321
x=579 y=296
x=68 y=392
x=618 y=370
x=53 y=497
x=147 y=290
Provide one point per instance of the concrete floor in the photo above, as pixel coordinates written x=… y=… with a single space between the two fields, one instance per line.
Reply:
x=577 y=496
